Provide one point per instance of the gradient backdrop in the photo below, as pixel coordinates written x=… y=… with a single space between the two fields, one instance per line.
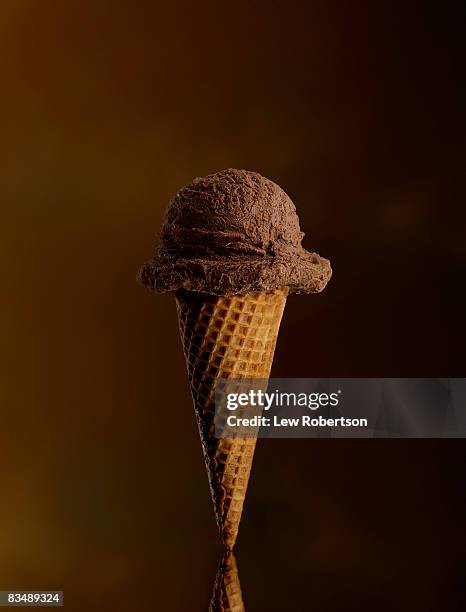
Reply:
x=108 y=108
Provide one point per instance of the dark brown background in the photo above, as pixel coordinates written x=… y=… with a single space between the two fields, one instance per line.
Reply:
x=356 y=109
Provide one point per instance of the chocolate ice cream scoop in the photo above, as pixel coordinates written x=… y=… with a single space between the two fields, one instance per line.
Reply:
x=233 y=232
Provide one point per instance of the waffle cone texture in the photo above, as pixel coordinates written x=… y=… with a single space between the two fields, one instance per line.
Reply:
x=227 y=596
x=227 y=337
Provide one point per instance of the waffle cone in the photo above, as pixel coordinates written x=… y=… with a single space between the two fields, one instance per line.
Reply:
x=227 y=596
x=227 y=337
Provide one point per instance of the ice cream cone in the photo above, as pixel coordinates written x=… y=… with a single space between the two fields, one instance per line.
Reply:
x=227 y=596
x=230 y=249
x=227 y=337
